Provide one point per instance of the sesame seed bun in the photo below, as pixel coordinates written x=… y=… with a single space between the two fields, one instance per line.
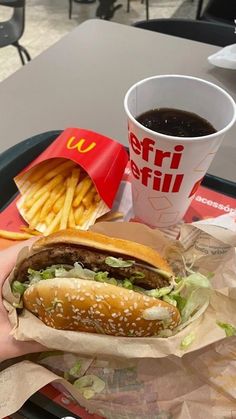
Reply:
x=101 y=242
x=89 y=306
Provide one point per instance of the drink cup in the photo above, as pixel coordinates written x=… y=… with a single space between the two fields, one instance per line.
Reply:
x=167 y=170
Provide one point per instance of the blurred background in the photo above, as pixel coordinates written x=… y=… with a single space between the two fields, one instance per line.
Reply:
x=46 y=21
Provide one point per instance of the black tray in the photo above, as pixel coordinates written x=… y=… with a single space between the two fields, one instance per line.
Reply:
x=12 y=161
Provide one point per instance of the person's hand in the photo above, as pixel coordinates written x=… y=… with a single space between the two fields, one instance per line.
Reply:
x=9 y=347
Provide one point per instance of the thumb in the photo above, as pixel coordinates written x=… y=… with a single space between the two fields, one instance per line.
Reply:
x=8 y=256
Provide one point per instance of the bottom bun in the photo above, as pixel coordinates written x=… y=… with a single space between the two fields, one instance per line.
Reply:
x=89 y=306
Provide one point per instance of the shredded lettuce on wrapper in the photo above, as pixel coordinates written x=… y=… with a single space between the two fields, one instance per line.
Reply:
x=190 y=293
x=73 y=372
x=89 y=385
x=187 y=341
x=229 y=329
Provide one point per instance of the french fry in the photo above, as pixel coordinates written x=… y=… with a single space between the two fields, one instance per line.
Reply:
x=97 y=198
x=89 y=197
x=49 y=186
x=30 y=231
x=44 y=168
x=71 y=220
x=13 y=235
x=37 y=205
x=71 y=185
x=78 y=213
x=54 y=223
x=29 y=199
x=110 y=216
x=87 y=214
x=55 y=195
x=49 y=218
x=58 y=204
x=35 y=220
x=81 y=191
x=61 y=168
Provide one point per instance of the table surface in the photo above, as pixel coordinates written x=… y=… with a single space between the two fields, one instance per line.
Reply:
x=82 y=80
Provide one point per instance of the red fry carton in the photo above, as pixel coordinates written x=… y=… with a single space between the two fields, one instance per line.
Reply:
x=101 y=159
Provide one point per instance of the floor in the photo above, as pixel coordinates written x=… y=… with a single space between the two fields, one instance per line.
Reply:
x=47 y=21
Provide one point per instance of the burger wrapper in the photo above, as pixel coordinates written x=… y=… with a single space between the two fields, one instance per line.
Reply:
x=142 y=377
x=103 y=159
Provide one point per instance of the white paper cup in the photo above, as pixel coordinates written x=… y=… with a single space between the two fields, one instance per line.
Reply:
x=166 y=170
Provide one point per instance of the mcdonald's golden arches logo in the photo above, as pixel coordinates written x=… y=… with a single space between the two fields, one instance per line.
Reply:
x=80 y=145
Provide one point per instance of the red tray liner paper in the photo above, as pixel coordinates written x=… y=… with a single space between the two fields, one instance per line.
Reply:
x=101 y=157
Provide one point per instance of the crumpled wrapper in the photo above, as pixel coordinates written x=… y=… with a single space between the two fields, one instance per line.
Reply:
x=144 y=377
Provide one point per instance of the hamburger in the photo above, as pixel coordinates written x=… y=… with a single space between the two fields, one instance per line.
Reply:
x=85 y=281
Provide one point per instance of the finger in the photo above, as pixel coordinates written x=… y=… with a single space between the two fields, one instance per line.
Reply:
x=8 y=257
x=14 y=348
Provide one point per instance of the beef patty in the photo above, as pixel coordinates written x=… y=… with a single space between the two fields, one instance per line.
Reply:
x=90 y=259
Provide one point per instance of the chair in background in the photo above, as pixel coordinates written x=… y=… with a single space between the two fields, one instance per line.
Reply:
x=219 y=11
x=78 y=1
x=146 y=6
x=12 y=30
x=70 y=8
x=196 y=30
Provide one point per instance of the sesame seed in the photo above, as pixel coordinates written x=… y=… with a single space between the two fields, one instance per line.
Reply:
x=97 y=312
x=135 y=305
x=121 y=318
x=113 y=296
x=138 y=318
x=126 y=298
x=59 y=315
x=114 y=315
x=82 y=299
x=126 y=310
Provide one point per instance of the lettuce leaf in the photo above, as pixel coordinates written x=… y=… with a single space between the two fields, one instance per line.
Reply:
x=229 y=329
x=187 y=341
x=118 y=262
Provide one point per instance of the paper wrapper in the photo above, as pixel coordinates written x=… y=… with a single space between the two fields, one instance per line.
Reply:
x=144 y=377
x=103 y=159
